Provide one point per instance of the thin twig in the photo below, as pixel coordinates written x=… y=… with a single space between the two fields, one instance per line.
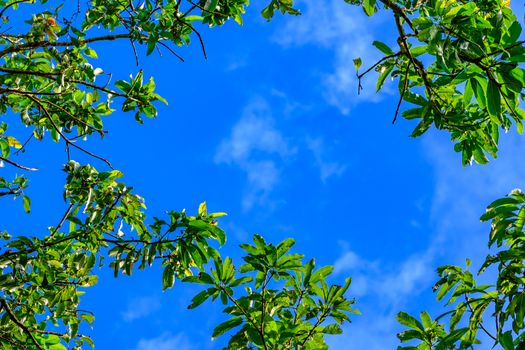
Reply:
x=171 y=50
x=207 y=11
x=9 y=5
x=17 y=165
x=134 y=50
x=21 y=149
x=480 y=324
x=400 y=12
x=8 y=193
x=360 y=76
x=196 y=32
x=47 y=43
x=61 y=222
x=67 y=140
x=405 y=87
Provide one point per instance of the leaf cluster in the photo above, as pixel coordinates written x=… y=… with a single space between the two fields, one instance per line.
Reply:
x=274 y=300
x=497 y=309
x=459 y=66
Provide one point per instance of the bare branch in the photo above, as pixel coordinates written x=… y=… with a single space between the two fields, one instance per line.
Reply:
x=11 y=4
x=405 y=87
x=19 y=166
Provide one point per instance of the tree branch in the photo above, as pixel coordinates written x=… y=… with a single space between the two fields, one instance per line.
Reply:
x=47 y=43
x=17 y=165
x=67 y=140
x=16 y=321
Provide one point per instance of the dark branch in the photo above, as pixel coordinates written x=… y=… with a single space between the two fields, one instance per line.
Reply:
x=19 y=166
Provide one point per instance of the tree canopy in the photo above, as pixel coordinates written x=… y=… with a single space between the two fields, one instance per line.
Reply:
x=459 y=67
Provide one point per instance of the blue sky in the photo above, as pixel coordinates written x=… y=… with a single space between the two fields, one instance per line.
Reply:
x=270 y=130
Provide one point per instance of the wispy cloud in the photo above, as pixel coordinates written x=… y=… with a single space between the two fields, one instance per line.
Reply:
x=255 y=145
x=165 y=341
x=382 y=289
x=327 y=168
x=391 y=281
x=255 y=131
x=346 y=31
x=141 y=307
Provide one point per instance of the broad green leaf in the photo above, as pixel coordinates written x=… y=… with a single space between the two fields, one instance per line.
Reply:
x=4 y=147
x=90 y=53
x=201 y=297
x=409 y=321
x=168 y=277
x=27 y=204
x=493 y=98
x=383 y=47
x=202 y=209
x=383 y=74
x=226 y=326
x=369 y=6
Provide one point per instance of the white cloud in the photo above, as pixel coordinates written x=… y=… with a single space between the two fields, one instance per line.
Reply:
x=327 y=169
x=140 y=307
x=346 y=31
x=255 y=131
x=392 y=282
x=460 y=197
x=382 y=289
x=255 y=145
x=165 y=341
x=409 y=279
x=347 y=262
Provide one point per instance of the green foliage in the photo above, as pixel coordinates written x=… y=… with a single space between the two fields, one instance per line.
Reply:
x=497 y=309
x=284 y=6
x=460 y=65
x=49 y=78
x=283 y=303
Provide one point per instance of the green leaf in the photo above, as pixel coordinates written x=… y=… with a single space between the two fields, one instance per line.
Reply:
x=268 y=12
x=242 y=280
x=418 y=50
x=409 y=321
x=369 y=6
x=421 y=128
x=506 y=341
x=4 y=147
x=27 y=204
x=332 y=329
x=357 y=63
x=493 y=98
x=212 y=5
x=321 y=273
x=226 y=326
x=383 y=48
x=13 y=142
x=384 y=73
x=202 y=209
x=427 y=320
x=201 y=297
x=90 y=53
x=409 y=335
x=168 y=277
x=52 y=339
x=479 y=87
